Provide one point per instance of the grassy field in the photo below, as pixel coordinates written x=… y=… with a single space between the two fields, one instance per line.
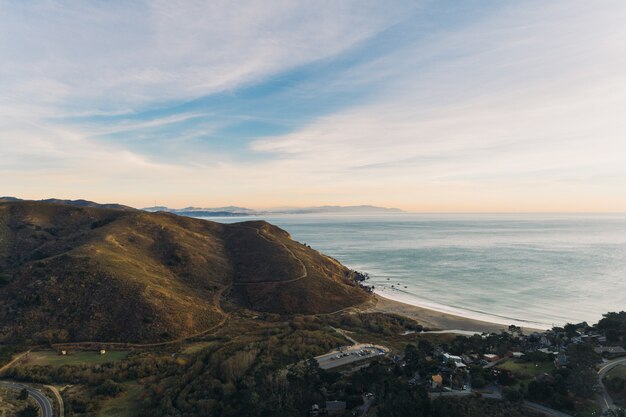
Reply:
x=618 y=371
x=527 y=370
x=587 y=408
x=124 y=405
x=49 y=357
x=190 y=348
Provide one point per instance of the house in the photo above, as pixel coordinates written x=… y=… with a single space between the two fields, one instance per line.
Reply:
x=102 y=351
x=453 y=361
x=586 y=338
x=516 y=355
x=561 y=361
x=448 y=358
x=467 y=359
x=335 y=408
x=491 y=357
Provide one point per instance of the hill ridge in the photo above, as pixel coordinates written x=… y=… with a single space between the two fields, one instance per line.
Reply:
x=76 y=274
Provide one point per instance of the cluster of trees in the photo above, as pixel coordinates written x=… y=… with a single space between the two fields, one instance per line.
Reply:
x=139 y=366
x=242 y=379
x=261 y=372
x=614 y=327
x=28 y=411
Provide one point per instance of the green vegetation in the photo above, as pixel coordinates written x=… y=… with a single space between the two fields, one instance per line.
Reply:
x=29 y=411
x=126 y=404
x=614 y=326
x=617 y=372
x=527 y=370
x=53 y=358
x=6 y=353
x=615 y=382
x=196 y=347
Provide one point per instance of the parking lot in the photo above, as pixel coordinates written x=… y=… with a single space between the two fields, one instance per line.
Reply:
x=349 y=354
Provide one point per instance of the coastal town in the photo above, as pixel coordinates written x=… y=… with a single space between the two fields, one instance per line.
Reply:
x=573 y=370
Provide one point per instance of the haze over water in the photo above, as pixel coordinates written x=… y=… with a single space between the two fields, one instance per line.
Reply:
x=532 y=269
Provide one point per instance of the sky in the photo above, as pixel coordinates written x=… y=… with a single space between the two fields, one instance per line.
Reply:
x=434 y=106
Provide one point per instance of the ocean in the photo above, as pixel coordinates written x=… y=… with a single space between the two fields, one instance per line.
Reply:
x=536 y=270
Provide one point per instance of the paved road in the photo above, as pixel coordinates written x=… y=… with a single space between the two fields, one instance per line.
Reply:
x=605 y=400
x=453 y=393
x=45 y=405
x=496 y=394
x=545 y=410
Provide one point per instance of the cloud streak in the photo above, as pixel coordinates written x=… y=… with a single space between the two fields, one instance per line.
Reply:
x=436 y=107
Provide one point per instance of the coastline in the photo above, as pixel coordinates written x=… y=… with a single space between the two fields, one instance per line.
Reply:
x=438 y=320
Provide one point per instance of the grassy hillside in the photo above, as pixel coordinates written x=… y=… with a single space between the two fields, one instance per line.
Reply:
x=73 y=273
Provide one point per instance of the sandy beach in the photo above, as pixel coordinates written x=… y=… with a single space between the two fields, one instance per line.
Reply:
x=436 y=320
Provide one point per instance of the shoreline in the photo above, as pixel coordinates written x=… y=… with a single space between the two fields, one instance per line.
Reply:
x=439 y=320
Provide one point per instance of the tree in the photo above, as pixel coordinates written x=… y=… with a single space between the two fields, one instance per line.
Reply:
x=29 y=411
x=425 y=346
x=539 y=390
x=505 y=378
x=109 y=388
x=404 y=402
x=23 y=395
x=513 y=395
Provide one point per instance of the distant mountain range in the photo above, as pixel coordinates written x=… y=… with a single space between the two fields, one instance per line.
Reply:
x=77 y=203
x=242 y=211
x=205 y=212
x=227 y=211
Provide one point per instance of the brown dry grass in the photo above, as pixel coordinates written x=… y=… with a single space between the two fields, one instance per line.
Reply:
x=89 y=274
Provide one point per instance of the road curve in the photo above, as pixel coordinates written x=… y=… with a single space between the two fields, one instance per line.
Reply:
x=57 y=394
x=44 y=403
x=605 y=400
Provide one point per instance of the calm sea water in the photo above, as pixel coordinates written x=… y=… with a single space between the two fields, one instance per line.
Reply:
x=527 y=269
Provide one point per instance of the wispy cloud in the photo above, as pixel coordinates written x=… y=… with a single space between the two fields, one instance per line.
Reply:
x=107 y=56
x=485 y=109
x=433 y=106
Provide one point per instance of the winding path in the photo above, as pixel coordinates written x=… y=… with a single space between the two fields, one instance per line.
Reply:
x=304 y=274
x=604 y=399
x=13 y=361
x=218 y=298
x=57 y=394
x=44 y=403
